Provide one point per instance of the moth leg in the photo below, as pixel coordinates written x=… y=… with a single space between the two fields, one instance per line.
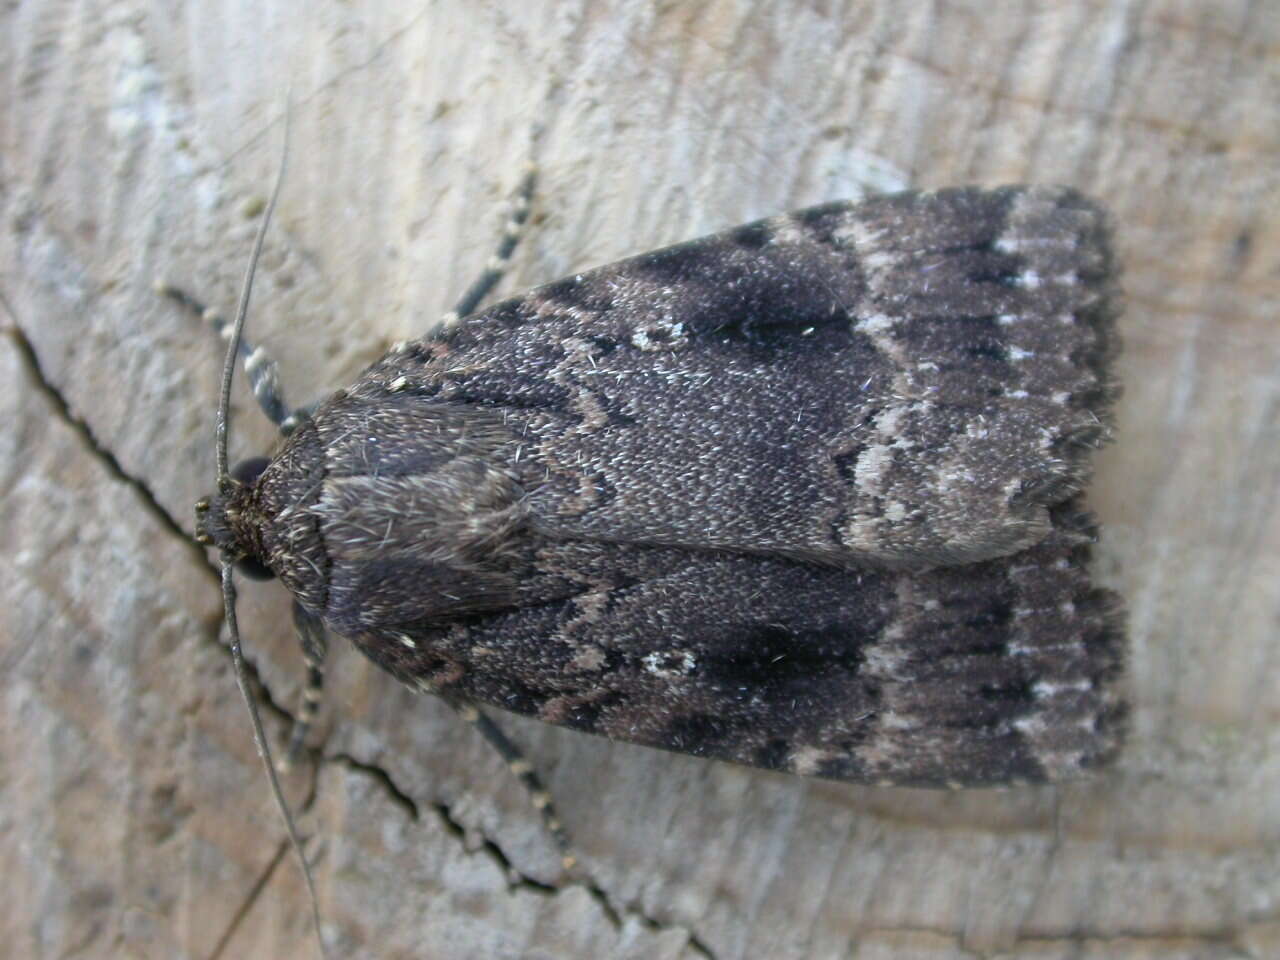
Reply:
x=314 y=641
x=259 y=367
x=498 y=263
x=523 y=770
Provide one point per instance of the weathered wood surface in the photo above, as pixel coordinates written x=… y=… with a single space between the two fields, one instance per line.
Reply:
x=137 y=138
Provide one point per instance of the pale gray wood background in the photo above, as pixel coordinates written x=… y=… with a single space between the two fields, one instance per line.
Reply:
x=137 y=138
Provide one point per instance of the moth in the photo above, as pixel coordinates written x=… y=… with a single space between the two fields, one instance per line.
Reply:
x=804 y=495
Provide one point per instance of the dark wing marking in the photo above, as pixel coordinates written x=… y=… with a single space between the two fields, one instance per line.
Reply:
x=904 y=383
x=993 y=673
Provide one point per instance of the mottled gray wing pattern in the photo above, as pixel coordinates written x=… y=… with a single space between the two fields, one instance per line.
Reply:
x=804 y=494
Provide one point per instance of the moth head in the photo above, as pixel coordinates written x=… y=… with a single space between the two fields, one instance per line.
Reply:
x=226 y=519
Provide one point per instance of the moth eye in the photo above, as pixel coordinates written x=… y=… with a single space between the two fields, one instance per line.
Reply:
x=247 y=472
x=254 y=569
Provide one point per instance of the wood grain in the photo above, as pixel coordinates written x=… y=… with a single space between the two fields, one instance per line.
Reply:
x=138 y=138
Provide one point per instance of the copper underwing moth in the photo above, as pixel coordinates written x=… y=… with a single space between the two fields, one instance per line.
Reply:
x=806 y=495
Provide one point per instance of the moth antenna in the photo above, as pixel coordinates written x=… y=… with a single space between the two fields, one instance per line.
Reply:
x=242 y=308
x=228 y=581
